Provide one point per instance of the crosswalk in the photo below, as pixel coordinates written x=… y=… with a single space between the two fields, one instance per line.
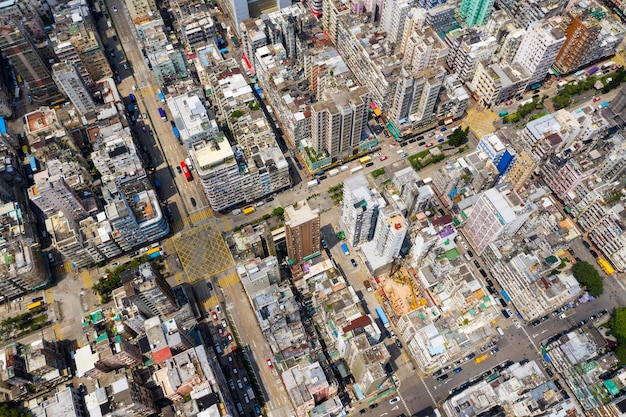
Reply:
x=49 y=296
x=57 y=331
x=228 y=280
x=210 y=303
x=63 y=269
x=87 y=280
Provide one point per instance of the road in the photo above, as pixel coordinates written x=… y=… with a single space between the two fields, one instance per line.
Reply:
x=159 y=138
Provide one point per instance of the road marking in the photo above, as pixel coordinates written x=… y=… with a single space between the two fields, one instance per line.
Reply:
x=57 y=331
x=49 y=296
x=87 y=280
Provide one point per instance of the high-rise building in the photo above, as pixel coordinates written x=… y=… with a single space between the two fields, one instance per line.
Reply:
x=539 y=49
x=52 y=194
x=429 y=4
x=395 y=17
x=476 y=12
x=338 y=122
x=302 y=230
x=493 y=214
x=142 y=10
x=17 y=48
x=391 y=229
x=582 y=33
x=147 y=289
x=617 y=108
x=73 y=87
x=360 y=210
x=494 y=84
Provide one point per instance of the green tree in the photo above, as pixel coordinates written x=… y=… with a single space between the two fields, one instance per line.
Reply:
x=560 y=101
x=587 y=275
x=617 y=324
x=7 y=411
x=278 y=211
x=458 y=137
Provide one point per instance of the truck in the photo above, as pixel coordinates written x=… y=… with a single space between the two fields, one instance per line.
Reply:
x=33 y=163
x=176 y=132
x=345 y=249
x=188 y=162
x=223 y=51
x=333 y=172
x=382 y=316
x=367 y=285
x=561 y=83
x=162 y=114
x=608 y=64
x=313 y=183
x=603 y=105
x=592 y=70
x=606 y=267
x=161 y=96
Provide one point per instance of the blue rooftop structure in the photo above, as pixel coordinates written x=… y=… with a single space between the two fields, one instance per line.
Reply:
x=3 y=126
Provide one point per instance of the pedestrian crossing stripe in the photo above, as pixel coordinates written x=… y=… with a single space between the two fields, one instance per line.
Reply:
x=211 y=302
x=67 y=266
x=57 y=331
x=49 y=296
x=177 y=226
x=228 y=280
x=87 y=280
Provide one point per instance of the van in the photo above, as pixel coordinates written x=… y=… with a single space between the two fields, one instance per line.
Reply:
x=500 y=332
x=260 y=203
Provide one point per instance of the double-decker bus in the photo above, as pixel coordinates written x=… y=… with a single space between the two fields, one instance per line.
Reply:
x=183 y=167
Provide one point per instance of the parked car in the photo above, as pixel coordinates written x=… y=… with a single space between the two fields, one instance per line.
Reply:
x=354 y=264
x=394 y=400
x=442 y=377
x=457 y=370
x=269 y=364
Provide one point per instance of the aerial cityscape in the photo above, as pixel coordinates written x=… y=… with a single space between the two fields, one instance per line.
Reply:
x=325 y=208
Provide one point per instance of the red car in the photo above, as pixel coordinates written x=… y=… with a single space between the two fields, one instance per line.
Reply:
x=269 y=364
x=428 y=145
x=229 y=337
x=214 y=315
x=384 y=158
x=220 y=331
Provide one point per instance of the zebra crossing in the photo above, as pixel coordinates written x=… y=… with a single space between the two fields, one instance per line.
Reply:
x=210 y=303
x=228 y=280
x=49 y=296
x=57 y=331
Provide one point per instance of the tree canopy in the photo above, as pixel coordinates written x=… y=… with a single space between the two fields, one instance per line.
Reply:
x=618 y=328
x=458 y=137
x=588 y=276
x=7 y=411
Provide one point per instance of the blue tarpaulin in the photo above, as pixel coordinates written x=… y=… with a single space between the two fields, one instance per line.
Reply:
x=3 y=126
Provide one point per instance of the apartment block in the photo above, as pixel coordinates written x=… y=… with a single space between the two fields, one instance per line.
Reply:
x=538 y=50
x=511 y=41
x=65 y=402
x=68 y=240
x=73 y=87
x=526 y=12
x=238 y=10
x=394 y=18
x=198 y=29
x=370 y=58
x=494 y=84
x=360 y=209
x=333 y=10
x=188 y=373
x=453 y=99
x=493 y=214
x=307 y=385
x=166 y=56
x=16 y=46
x=141 y=10
x=466 y=48
x=475 y=12
x=192 y=119
x=302 y=228
x=521 y=169
x=147 y=289
x=442 y=17
x=582 y=33
x=366 y=362
x=24 y=269
x=422 y=48
x=338 y=122
x=391 y=229
x=52 y=194
x=122 y=393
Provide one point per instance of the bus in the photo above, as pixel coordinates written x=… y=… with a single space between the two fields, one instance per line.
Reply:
x=33 y=306
x=183 y=167
x=365 y=159
x=162 y=114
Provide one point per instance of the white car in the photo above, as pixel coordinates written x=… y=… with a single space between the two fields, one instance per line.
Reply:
x=394 y=400
x=464 y=245
x=517 y=324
